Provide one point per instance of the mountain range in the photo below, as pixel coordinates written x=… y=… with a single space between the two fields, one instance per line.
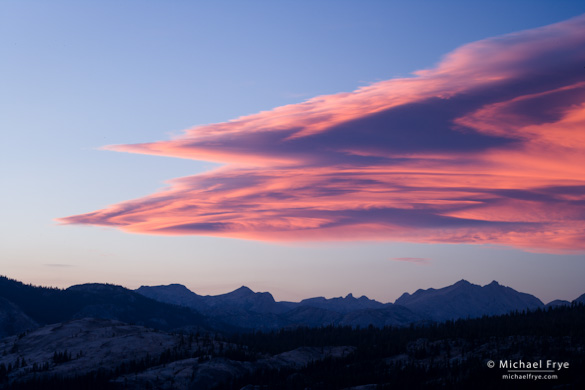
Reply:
x=246 y=308
x=464 y=299
x=175 y=307
x=24 y=307
x=102 y=336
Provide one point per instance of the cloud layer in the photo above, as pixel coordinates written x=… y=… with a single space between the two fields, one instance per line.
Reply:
x=488 y=148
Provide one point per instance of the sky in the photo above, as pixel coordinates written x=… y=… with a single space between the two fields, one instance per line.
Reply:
x=302 y=148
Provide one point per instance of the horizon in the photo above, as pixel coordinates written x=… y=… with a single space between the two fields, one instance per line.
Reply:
x=284 y=300
x=299 y=149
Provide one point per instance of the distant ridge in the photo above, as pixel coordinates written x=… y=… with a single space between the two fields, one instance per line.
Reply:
x=175 y=307
x=34 y=306
x=343 y=305
x=173 y=293
x=558 y=302
x=244 y=307
x=581 y=299
x=466 y=300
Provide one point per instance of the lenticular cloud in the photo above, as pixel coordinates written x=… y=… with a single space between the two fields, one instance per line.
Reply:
x=487 y=147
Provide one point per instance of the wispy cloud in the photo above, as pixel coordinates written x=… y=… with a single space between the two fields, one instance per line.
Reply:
x=486 y=148
x=415 y=260
x=58 y=265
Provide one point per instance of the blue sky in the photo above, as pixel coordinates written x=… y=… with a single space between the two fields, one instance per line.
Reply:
x=77 y=76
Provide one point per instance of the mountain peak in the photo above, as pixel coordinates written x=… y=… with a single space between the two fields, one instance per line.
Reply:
x=243 y=290
x=349 y=296
x=241 y=293
x=464 y=299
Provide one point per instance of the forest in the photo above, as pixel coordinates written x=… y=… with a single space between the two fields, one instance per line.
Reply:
x=450 y=355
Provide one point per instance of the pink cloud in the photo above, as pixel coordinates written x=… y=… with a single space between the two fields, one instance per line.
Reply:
x=486 y=148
